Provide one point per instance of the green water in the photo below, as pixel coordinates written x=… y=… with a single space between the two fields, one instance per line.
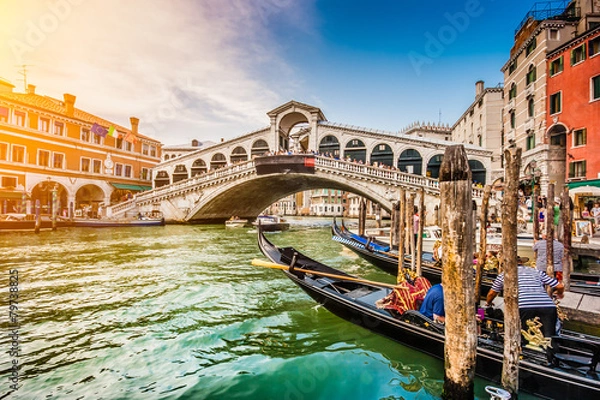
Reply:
x=178 y=312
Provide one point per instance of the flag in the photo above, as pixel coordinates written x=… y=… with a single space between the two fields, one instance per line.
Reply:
x=113 y=132
x=131 y=138
x=98 y=130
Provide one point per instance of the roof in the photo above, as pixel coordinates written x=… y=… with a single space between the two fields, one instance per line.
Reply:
x=52 y=105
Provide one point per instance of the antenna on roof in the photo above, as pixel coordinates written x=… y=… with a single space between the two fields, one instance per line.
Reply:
x=440 y=118
x=23 y=72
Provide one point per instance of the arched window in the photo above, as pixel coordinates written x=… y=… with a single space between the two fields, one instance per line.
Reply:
x=199 y=167
x=238 y=155
x=433 y=166
x=531 y=74
x=477 y=171
x=356 y=150
x=530 y=108
x=218 y=161
x=180 y=173
x=259 y=148
x=410 y=161
x=330 y=145
x=382 y=154
x=162 y=179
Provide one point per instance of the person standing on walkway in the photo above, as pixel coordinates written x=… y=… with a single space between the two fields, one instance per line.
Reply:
x=541 y=257
x=596 y=215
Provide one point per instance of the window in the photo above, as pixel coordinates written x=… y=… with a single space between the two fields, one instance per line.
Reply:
x=3 y=114
x=513 y=91
x=531 y=75
x=556 y=66
x=152 y=151
x=145 y=149
x=18 y=153
x=128 y=171
x=97 y=166
x=44 y=125
x=530 y=108
x=58 y=161
x=512 y=120
x=97 y=139
x=119 y=143
x=595 y=88
x=512 y=67
x=577 y=169
x=578 y=54
x=555 y=103
x=85 y=135
x=594 y=46
x=530 y=47
x=553 y=34
x=579 y=137
x=59 y=128
x=43 y=158
x=19 y=118
x=4 y=151
x=128 y=146
x=85 y=164
x=118 y=169
x=9 y=181
x=530 y=141
x=145 y=175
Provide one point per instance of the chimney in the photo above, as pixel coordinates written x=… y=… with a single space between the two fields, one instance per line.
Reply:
x=30 y=89
x=69 y=103
x=478 y=88
x=134 y=125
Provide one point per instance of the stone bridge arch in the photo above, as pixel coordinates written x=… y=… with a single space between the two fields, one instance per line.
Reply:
x=255 y=193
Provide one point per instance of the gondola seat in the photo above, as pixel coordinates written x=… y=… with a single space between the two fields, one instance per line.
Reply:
x=415 y=317
x=576 y=353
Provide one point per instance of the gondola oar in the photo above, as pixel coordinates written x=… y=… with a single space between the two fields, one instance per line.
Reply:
x=267 y=264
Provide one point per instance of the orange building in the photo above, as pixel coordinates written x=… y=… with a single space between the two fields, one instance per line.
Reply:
x=48 y=147
x=573 y=113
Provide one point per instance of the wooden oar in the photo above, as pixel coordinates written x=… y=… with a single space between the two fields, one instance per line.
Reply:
x=267 y=264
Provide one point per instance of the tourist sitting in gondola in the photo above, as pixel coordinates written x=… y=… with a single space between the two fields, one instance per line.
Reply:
x=407 y=295
x=433 y=304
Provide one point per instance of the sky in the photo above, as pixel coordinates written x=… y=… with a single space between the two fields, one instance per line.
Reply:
x=212 y=69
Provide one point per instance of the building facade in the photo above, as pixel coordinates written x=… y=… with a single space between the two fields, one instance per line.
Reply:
x=573 y=113
x=547 y=27
x=481 y=125
x=48 y=147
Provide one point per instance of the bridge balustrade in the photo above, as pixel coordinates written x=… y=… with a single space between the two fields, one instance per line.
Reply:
x=394 y=177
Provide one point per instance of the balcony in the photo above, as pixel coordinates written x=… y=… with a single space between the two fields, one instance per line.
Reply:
x=530 y=89
x=511 y=104
x=529 y=124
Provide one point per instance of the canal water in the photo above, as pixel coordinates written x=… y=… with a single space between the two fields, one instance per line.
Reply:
x=178 y=312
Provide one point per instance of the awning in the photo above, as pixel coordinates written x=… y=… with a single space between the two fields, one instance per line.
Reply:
x=137 y=188
x=12 y=194
x=591 y=187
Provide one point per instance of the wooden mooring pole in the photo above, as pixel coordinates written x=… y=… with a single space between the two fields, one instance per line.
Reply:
x=460 y=347
x=401 y=231
x=512 y=322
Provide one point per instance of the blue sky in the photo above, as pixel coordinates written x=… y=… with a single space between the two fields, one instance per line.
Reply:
x=211 y=69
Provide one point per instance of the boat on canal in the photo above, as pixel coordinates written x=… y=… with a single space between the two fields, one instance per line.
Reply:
x=568 y=368
x=236 y=222
x=116 y=223
x=381 y=255
x=271 y=223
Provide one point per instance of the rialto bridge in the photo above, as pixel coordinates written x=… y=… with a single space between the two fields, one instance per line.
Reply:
x=244 y=175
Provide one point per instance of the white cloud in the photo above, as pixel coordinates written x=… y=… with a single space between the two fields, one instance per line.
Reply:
x=209 y=66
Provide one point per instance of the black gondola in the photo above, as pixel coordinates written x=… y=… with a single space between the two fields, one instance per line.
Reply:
x=380 y=255
x=563 y=371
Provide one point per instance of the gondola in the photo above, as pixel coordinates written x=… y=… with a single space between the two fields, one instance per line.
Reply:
x=380 y=255
x=561 y=371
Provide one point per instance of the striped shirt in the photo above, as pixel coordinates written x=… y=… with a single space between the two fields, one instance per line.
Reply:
x=531 y=290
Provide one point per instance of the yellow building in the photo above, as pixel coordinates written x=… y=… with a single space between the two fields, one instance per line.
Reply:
x=49 y=145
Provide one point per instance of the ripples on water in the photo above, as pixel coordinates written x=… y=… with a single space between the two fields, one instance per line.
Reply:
x=178 y=312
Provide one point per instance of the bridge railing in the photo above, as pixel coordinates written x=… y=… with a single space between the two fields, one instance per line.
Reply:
x=379 y=172
x=183 y=185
